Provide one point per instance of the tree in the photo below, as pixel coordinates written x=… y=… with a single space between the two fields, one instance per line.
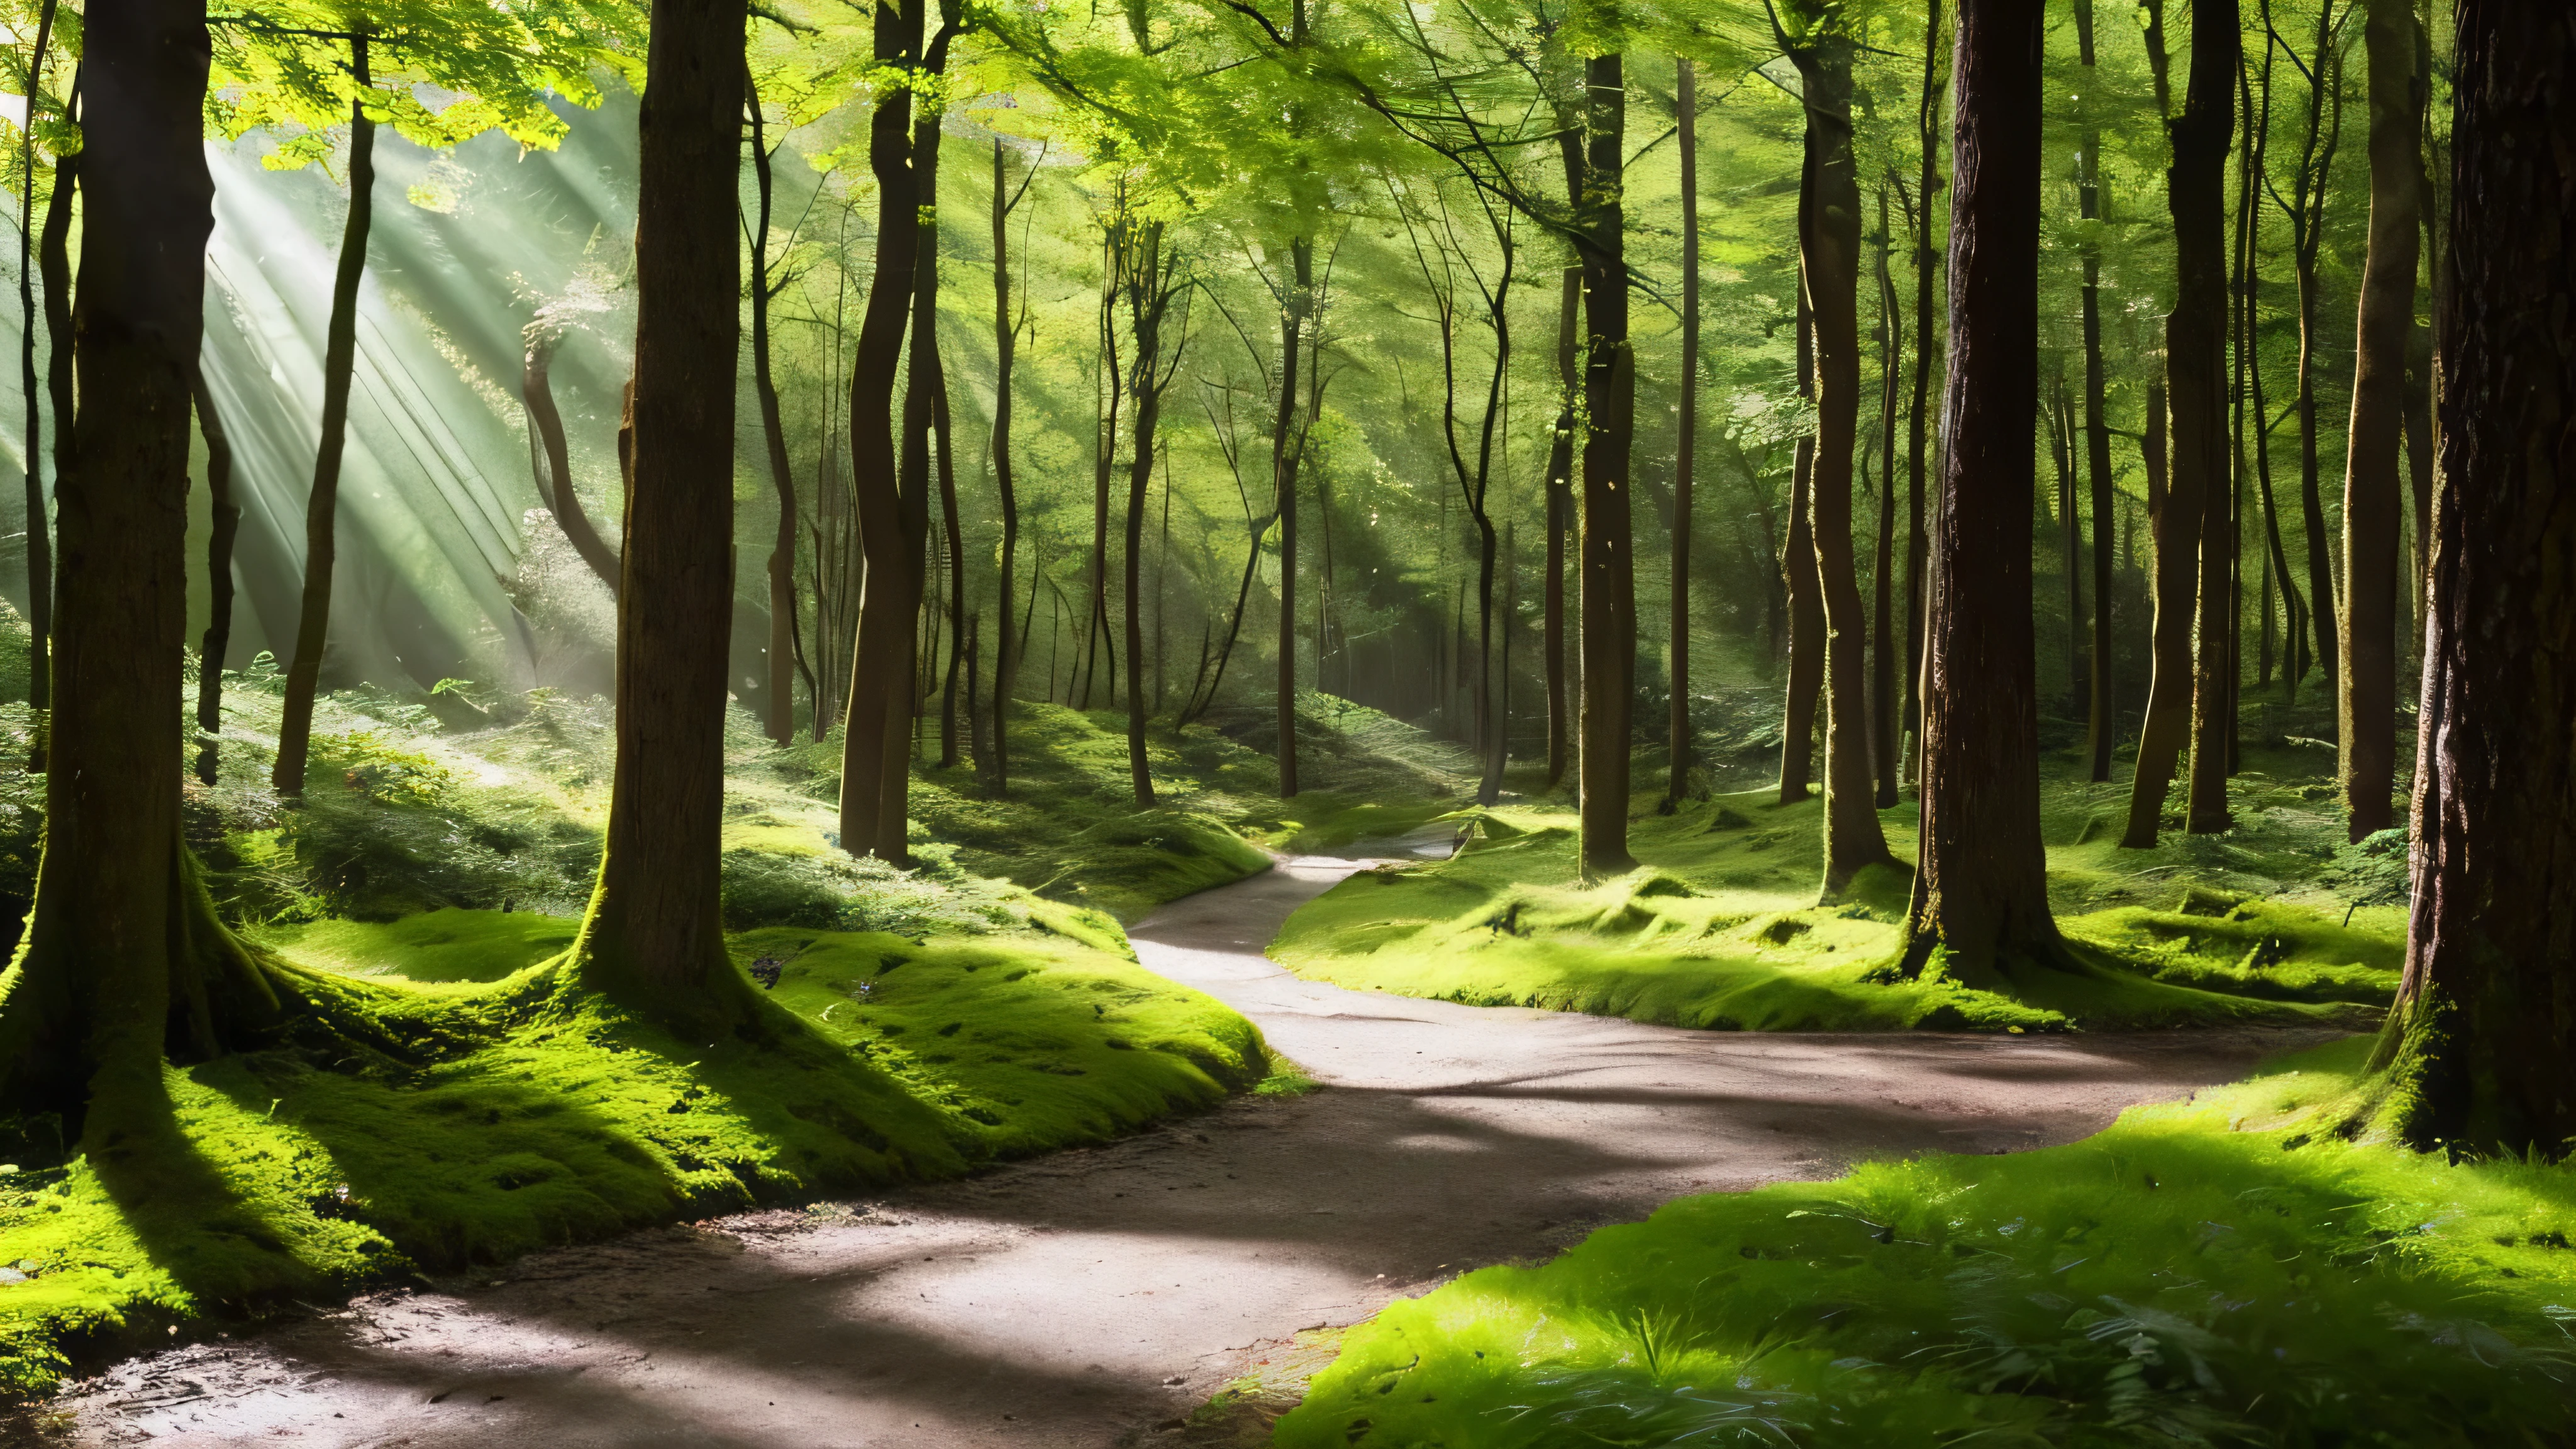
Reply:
x=40 y=564
x=1610 y=406
x=2306 y=208
x=1981 y=887
x=2101 y=722
x=1287 y=445
x=1006 y=338
x=1151 y=274
x=2366 y=699
x=124 y=962
x=1559 y=490
x=1918 y=460
x=225 y=519
x=2481 y=1045
x=654 y=935
x=1677 y=726
x=773 y=429
x=1798 y=570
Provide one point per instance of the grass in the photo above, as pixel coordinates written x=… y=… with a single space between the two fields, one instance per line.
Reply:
x=1719 y=928
x=2224 y=1270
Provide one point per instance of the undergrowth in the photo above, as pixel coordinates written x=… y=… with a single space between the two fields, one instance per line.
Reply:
x=2221 y=1271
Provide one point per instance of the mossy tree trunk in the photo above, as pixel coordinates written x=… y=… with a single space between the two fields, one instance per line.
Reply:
x=322 y=505
x=654 y=935
x=2373 y=496
x=1981 y=886
x=1609 y=626
x=1829 y=261
x=218 y=638
x=2483 y=1037
x=123 y=960
x=2196 y=391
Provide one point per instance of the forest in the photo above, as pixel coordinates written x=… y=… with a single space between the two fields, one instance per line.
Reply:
x=766 y=722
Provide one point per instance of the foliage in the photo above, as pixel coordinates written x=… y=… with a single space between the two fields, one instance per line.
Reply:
x=2217 y=1271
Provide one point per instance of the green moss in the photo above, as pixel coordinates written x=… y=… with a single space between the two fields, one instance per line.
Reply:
x=2218 y=1271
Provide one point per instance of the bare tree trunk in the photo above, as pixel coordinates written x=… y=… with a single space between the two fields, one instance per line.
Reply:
x=1112 y=387
x=322 y=507
x=219 y=581
x=2196 y=383
x=2373 y=503
x=1887 y=745
x=53 y=260
x=2483 y=1037
x=1560 y=523
x=1152 y=280
x=1286 y=447
x=536 y=391
x=782 y=475
x=1981 y=891
x=1927 y=268
x=1677 y=723
x=2102 y=724
x=1609 y=620
x=40 y=549
x=1006 y=339
x=1798 y=569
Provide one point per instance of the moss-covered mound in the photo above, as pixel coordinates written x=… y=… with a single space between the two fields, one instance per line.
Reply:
x=2212 y=1272
x=496 y=1115
x=1720 y=930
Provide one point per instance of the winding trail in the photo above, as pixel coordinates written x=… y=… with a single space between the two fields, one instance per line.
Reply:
x=1093 y=1297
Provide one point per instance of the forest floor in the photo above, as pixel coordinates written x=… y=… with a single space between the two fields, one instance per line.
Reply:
x=1176 y=1286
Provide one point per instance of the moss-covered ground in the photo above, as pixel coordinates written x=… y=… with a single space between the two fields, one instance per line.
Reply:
x=1720 y=927
x=2221 y=1271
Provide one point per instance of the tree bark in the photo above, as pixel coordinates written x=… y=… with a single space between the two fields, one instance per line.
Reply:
x=1829 y=260
x=1287 y=444
x=1981 y=889
x=1560 y=523
x=1887 y=745
x=1006 y=339
x=322 y=506
x=954 y=528
x=1609 y=623
x=2307 y=214
x=1677 y=724
x=1927 y=270
x=40 y=551
x=2196 y=388
x=1152 y=279
x=2102 y=724
x=773 y=429
x=2483 y=1036
x=2373 y=496
x=124 y=962
x=654 y=935
x=54 y=267
x=1800 y=577
x=536 y=391
x=219 y=580
x=878 y=673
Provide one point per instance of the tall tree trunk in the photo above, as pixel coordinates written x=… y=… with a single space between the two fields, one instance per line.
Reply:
x=1006 y=339
x=40 y=549
x=954 y=529
x=124 y=962
x=2373 y=503
x=1287 y=444
x=219 y=580
x=1927 y=270
x=1981 y=890
x=655 y=935
x=1800 y=577
x=2484 y=1031
x=54 y=267
x=1677 y=724
x=773 y=429
x=2196 y=389
x=2060 y=419
x=322 y=506
x=1560 y=524
x=1887 y=747
x=536 y=392
x=1111 y=384
x=1829 y=259
x=879 y=672
x=2308 y=202
x=1152 y=279
x=1609 y=622
x=2102 y=724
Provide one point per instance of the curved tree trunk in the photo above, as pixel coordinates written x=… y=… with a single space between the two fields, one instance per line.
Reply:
x=1829 y=260
x=2373 y=496
x=654 y=935
x=1610 y=396
x=536 y=391
x=219 y=580
x=124 y=962
x=322 y=506
x=2196 y=389
x=1798 y=570
x=1981 y=890
x=2484 y=1032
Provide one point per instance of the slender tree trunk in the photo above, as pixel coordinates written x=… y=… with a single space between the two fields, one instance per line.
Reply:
x=1112 y=386
x=124 y=961
x=2102 y=723
x=2373 y=502
x=654 y=934
x=2196 y=387
x=1927 y=270
x=40 y=549
x=878 y=674
x=782 y=475
x=1799 y=571
x=956 y=538
x=1981 y=891
x=536 y=391
x=2484 y=1031
x=322 y=507
x=1677 y=724
x=54 y=266
x=1006 y=338
x=1829 y=259
x=1152 y=279
x=1286 y=445
x=2070 y=539
x=219 y=580
x=1609 y=622
x=1560 y=524
x=2309 y=200
x=1888 y=747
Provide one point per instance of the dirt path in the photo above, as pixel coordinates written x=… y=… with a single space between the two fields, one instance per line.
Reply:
x=1091 y=1298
